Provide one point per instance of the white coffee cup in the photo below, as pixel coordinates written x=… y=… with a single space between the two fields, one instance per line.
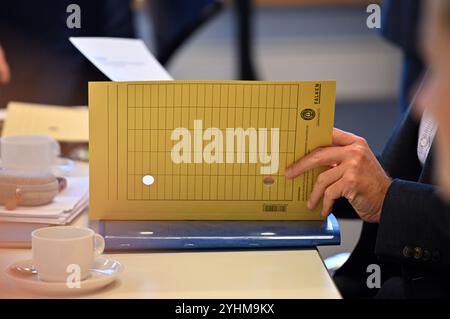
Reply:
x=58 y=251
x=32 y=153
x=28 y=152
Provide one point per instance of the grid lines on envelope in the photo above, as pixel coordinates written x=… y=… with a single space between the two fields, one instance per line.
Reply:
x=155 y=110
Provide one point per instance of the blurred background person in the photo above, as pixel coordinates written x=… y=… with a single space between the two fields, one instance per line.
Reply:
x=436 y=93
x=44 y=67
x=176 y=21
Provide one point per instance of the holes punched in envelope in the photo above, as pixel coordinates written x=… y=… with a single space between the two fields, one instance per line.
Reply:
x=148 y=180
x=269 y=181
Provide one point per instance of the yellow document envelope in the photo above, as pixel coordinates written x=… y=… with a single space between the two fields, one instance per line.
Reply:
x=205 y=150
x=65 y=124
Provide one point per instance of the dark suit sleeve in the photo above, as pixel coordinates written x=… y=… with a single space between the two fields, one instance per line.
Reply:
x=415 y=226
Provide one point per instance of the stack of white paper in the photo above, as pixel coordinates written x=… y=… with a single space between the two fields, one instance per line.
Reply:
x=16 y=225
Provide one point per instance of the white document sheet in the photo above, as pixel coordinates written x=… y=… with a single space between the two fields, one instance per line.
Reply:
x=121 y=59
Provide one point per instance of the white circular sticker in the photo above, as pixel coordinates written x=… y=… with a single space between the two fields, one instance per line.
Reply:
x=148 y=180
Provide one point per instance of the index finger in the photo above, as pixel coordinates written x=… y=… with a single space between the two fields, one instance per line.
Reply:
x=343 y=138
x=325 y=156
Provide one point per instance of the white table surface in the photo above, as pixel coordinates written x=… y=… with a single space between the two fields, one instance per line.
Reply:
x=203 y=274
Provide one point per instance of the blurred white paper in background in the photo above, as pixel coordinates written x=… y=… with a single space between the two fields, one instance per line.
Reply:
x=121 y=59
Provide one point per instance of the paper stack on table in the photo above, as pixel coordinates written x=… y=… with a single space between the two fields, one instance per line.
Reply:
x=17 y=225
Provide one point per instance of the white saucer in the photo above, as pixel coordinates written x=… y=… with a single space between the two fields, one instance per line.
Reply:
x=103 y=272
x=63 y=166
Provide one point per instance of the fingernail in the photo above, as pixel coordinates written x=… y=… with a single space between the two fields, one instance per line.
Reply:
x=308 y=204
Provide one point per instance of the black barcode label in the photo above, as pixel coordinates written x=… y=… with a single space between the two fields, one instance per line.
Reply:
x=274 y=208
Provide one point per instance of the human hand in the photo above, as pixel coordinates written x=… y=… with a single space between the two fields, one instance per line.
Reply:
x=354 y=173
x=5 y=74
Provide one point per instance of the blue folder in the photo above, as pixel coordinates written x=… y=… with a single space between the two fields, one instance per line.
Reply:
x=188 y=235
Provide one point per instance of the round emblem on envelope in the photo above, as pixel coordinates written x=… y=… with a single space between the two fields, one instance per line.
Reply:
x=308 y=114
